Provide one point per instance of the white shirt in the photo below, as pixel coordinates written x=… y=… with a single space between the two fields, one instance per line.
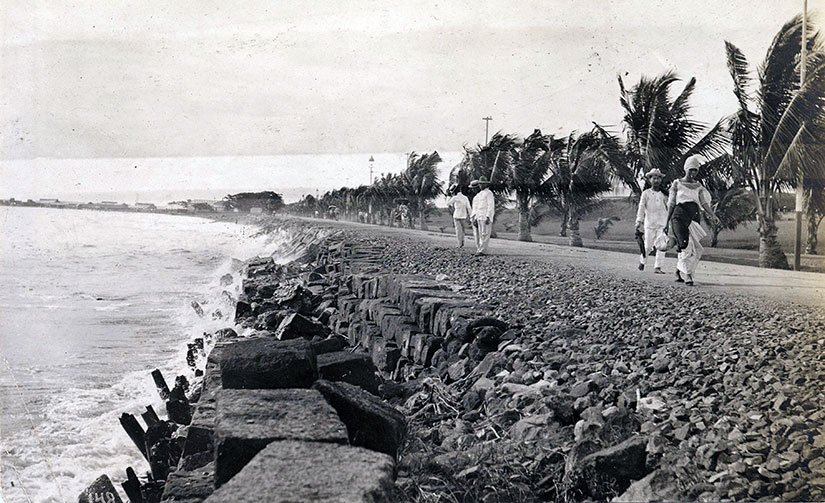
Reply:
x=484 y=205
x=460 y=204
x=652 y=209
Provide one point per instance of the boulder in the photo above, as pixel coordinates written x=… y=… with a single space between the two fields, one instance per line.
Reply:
x=352 y=368
x=608 y=471
x=371 y=422
x=295 y=326
x=288 y=471
x=660 y=485
x=268 y=364
x=248 y=420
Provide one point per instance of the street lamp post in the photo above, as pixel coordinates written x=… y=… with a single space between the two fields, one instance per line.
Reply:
x=800 y=193
x=372 y=161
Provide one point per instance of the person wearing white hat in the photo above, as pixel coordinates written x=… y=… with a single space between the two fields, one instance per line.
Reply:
x=460 y=206
x=651 y=217
x=687 y=199
x=483 y=211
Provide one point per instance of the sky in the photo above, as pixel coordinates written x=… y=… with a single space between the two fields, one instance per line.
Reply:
x=173 y=87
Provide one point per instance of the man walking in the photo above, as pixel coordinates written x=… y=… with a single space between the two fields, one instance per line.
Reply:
x=460 y=206
x=483 y=211
x=651 y=217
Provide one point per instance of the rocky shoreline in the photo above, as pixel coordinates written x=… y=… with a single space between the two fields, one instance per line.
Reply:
x=516 y=381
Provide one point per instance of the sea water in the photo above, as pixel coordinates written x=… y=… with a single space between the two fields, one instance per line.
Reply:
x=90 y=303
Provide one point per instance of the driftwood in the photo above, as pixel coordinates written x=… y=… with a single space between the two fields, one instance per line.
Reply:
x=135 y=432
x=150 y=417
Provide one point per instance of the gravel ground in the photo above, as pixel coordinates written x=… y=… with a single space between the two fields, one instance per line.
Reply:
x=731 y=387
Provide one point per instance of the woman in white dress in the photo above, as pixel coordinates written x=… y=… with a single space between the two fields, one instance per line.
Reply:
x=687 y=199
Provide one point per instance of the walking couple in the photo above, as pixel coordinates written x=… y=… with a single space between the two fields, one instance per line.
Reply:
x=680 y=210
x=480 y=213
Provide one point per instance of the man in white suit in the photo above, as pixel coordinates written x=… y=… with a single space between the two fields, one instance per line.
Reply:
x=484 y=209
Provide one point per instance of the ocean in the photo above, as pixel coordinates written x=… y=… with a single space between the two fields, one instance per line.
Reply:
x=90 y=303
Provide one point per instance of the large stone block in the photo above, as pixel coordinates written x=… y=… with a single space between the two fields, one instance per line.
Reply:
x=267 y=363
x=369 y=333
x=189 y=486
x=388 y=322
x=248 y=420
x=429 y=306
x=381 y=311
x=398 y=282
x=371 y=422
x=409 y=297
x=296 y=326
x=385 y=354
x=353 y=368
x=289 y=471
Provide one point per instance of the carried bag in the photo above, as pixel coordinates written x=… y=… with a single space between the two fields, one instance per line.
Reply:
x=663 y=242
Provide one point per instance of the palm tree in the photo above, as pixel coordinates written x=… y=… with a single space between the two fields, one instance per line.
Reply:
x=580 y=172
x=776 y=132
x=730 y=198
x=814 y=209
x=659 y=132
x=493 y=161
x=529 y=169
x=421 y=184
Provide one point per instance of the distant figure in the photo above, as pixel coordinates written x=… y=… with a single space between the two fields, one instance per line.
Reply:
x=483 y=211
x=687 y=198
x=460 y=206
x=650 y=219
x=403 y=213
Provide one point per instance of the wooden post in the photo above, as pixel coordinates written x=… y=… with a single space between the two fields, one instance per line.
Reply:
x=160 y=382
x=132 y=487
x=150 y=417
x=135 y=432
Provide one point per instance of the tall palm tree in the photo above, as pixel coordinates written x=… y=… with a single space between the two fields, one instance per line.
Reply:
x=814 y=209
x=580 y=172
x=421 y=183
x=659 y=131
x=777 y=130
x=529 y=169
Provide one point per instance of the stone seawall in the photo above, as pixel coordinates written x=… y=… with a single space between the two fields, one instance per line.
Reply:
x=362 y=372
x=291 y=411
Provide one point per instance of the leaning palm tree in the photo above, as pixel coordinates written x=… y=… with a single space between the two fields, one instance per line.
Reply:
x=421 y=184
x=777 y=131
x=579 y=174
x=659 y=131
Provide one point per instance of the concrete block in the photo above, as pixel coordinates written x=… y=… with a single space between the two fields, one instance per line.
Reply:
x=288 y=471
x=371 y=422
x=248 y=420
x=267 y=363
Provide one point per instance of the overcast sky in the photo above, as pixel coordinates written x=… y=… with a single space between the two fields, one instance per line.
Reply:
x=155 y=78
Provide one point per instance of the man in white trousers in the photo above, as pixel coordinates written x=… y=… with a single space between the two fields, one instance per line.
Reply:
x=460 y=206
x=651 y=216
x=484 y=209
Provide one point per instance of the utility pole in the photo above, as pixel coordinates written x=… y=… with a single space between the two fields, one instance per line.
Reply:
x=800 y=193
x=487 y=128
x=372 y=161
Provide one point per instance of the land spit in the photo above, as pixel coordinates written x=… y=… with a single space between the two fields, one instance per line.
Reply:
x=465 y=378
